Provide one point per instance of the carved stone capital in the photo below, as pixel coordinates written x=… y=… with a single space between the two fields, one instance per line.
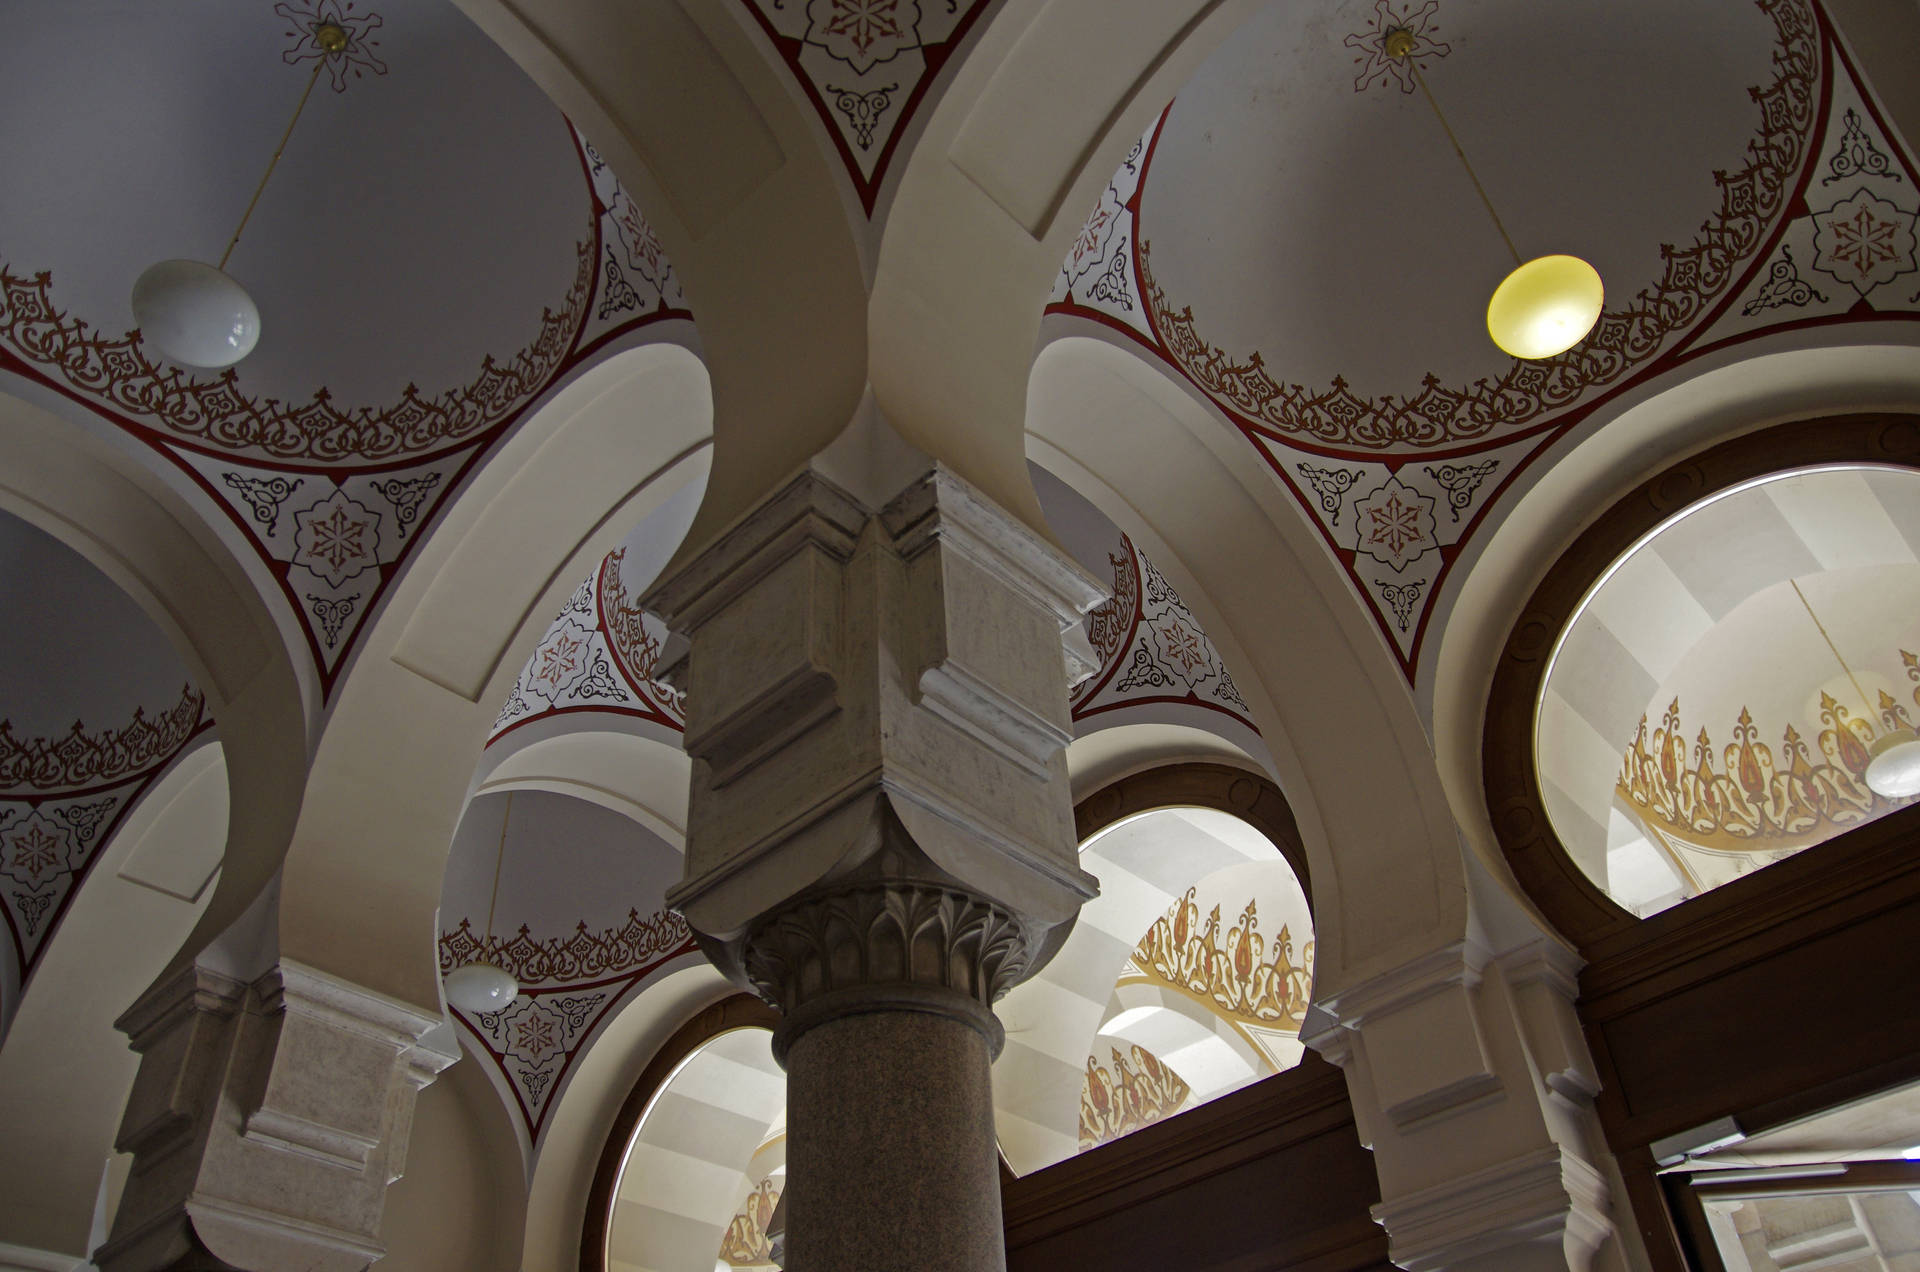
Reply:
x=887 y=945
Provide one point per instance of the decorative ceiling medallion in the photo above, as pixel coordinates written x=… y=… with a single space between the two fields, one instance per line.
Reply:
x=1379 y=68
x=1394 y=525
x=862 y=33
x=866 y=66
x=357 y=55
x=1864 y=241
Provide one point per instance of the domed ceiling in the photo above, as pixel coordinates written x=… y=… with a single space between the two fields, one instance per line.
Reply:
x=1297 y=240
x=576 y=916
x=94 y=706
x=435 y=252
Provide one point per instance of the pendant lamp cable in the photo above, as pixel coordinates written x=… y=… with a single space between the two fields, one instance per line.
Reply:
x=1854 y=680
x=498 y=857
x=332 y=39
x=1399 y=46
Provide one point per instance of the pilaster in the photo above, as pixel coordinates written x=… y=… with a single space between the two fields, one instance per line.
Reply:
x=266 y=1121
x=1472 y=1085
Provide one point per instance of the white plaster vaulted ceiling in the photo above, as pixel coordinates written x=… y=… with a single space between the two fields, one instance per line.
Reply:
x=579 y=918
x=1296 y=239
x=94 y=707
x=436 y=250
x=1695 y=724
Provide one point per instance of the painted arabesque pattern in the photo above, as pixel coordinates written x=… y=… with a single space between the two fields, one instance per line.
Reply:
x=1759 y=797
x=1815 y=227
x=1152 y=648
x=569 y=985
x=1232 y=972
x=1138 y=1090
x=866 y=66
x=61 y=800
x=746 y=1244
x=598 y=655
x=334 y=498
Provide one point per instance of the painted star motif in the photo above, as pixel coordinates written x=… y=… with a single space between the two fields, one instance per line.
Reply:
x=864 y=33
x=307 y=17
x=534 y=1036
x=558 y=662
x=1183 y=645
x=1395 y=524
x=336 y=538
x=1864 y=241
x=36 y=853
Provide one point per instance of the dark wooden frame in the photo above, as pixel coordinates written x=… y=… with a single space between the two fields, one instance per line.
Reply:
x=1570 y=900
x=741 y=1011
x=1245 y=794
x=1270 y=1176
x=1690 y=1013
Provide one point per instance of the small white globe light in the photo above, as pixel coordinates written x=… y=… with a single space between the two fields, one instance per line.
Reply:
x=1545 y=307
x=1893 y=765
x=195 y=314
x=480 y=988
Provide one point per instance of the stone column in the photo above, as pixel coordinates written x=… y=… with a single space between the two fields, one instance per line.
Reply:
x=880 y=837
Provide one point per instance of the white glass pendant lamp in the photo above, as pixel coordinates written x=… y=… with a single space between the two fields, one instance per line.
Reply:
x=196 y=314
x=1893 y=758
x=1893 y=765
x=1546 y=305
x=482 y=987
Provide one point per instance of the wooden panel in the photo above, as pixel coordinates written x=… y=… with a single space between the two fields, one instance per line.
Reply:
x=1787 y=991
x=1271 y=1176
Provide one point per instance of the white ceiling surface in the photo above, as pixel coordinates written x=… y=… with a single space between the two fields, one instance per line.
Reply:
x=1703 y=611
x=566 y=862
x=417 y=221
x=688 y=1169
x=1280 y=193
x=74 y=646
x=1144 y=865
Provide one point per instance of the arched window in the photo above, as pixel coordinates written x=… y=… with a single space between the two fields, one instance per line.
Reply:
x=1187 y=978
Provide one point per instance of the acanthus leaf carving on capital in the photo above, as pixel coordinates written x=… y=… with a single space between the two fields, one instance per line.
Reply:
x=887 y=932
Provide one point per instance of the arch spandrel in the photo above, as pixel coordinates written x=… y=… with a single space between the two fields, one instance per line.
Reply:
x=1388 y=879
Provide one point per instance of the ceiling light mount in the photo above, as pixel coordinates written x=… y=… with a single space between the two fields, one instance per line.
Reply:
x=483 y=987
x=1547 y=304
x=196 y=314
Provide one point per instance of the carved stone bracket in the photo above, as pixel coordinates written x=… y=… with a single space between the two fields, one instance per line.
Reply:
x=266 y=1120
